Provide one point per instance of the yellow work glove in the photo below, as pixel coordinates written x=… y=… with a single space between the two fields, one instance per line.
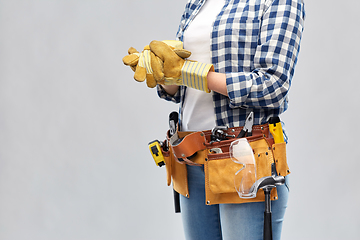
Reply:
x=172 y=69
x=140 y=63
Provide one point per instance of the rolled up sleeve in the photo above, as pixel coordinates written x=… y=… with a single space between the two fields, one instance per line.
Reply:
x=164 y=95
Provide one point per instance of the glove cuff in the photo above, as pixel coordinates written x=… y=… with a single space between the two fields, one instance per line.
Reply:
x=194 y=75
x=145 y=61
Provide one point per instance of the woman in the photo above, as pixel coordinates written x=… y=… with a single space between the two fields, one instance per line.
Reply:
x=253 y=46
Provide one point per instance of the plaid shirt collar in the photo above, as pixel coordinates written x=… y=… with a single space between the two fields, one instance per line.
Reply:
x=256 y=43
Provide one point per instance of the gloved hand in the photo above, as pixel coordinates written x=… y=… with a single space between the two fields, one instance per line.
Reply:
x=170 y=68
x=140 y=63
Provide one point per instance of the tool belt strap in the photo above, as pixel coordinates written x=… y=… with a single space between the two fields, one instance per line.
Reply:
x=186 y=144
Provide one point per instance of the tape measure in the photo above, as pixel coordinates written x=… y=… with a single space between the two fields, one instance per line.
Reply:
x=155 y=150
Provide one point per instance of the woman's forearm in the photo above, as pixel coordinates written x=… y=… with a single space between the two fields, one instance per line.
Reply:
x=217 y=82
x=170 y=89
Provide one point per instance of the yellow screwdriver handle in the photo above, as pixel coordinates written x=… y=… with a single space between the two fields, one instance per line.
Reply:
x=276 y=129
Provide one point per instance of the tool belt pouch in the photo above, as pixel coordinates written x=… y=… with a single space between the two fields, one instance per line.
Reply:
x=219 y=168
x=183 y=145
x=177 y=174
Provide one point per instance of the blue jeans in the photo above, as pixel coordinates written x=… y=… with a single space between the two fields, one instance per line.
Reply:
x=227 y=221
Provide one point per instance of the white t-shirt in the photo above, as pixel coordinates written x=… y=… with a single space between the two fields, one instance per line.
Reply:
x=198 y=109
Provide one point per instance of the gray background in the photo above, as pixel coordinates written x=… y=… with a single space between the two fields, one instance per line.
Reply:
x=74 y=125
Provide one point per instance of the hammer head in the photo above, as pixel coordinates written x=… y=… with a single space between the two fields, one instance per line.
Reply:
x=267 y=182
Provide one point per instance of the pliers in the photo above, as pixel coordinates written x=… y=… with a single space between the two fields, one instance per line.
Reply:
x=247 y=129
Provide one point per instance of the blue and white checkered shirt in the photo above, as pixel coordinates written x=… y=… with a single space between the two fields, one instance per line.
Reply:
x=256 y=44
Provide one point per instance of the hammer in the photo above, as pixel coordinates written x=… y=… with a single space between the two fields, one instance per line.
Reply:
x=267 y=184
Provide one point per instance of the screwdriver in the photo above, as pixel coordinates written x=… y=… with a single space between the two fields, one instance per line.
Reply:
x=276 y=129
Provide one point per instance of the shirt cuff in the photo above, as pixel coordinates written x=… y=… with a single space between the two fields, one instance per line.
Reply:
x=238 y=88
x=164 y=95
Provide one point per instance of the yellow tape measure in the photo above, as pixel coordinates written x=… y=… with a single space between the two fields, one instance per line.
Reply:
x=155 y=150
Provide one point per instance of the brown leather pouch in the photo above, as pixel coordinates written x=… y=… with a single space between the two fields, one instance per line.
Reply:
x=220 y=172
x=176 y=173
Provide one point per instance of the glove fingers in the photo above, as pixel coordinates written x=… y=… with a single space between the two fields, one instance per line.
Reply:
x=177 y=47
x=174 y=43
x=131 y=60
x=157 y=67
x=162 y=50
x=182 y=53
x=140 y=74
x=150 y=81
x=132 y=50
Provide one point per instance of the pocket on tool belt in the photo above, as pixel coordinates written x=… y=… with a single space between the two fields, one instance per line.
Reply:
x=279 y=151
x=220 y=172
x=220 y=169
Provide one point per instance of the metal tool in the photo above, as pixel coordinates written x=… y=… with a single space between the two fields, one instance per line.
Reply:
x=267 y=184
x=215 y=151
x=173 y=121
x=247 y=129
x=219 y=133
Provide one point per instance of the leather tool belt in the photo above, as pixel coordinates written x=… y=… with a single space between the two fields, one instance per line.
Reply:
x=194 y=148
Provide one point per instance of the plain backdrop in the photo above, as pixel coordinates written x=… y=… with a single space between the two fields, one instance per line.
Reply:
x=74 y=125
